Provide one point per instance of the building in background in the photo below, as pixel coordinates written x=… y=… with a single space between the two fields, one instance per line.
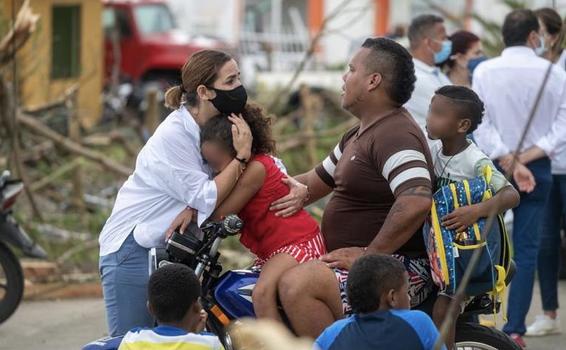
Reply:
x=276 y=33
x=65 y=49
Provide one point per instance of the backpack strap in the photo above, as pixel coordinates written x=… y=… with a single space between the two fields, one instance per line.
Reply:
x=475 y=226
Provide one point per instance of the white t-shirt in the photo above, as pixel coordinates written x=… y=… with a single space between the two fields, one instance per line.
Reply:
x=169 y=176
x=465 y=165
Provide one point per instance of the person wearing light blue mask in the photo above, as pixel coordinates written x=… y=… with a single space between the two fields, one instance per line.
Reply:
x=466 y=55
x=429 y=45
x=444 y=52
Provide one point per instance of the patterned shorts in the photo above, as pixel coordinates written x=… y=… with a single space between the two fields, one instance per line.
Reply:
x=312 y=249
x=420 y=281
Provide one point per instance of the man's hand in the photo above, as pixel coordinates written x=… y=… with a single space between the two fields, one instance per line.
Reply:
x=462 y=218
x=343 y=258
x=524 y=178
x=294 y=201
x=506 y=161
x=182 y=220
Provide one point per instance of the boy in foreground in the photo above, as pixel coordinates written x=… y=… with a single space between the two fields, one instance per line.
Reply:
x=173 y=292
x=378 y=290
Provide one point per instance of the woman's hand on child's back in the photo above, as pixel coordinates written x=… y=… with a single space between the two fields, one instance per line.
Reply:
x=462 y=218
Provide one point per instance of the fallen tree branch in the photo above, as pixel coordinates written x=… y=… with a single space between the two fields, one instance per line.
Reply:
x=298 y=140
x=61 y=101
x=62 y=170
x=107 y=139
x=71 y=146
x=38 y=151
x=57 y=234
x=21 y=30
x=79 y=248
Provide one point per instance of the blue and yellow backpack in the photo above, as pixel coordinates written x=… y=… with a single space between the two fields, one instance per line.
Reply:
x=450 y=252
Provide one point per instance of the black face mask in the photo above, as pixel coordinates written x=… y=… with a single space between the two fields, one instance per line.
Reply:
x=230 y=101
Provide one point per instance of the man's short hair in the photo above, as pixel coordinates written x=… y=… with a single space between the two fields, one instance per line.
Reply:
x=395 y=65
x=421 y=27
x=172 y=290
x=517 y=26
x=469 y=104
x=370 y=277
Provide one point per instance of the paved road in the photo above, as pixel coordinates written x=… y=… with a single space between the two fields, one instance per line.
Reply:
x=66 y=325
x=53 y=325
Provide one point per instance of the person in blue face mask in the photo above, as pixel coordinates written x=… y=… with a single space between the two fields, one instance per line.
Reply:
x=467 y=54
x=429 y=46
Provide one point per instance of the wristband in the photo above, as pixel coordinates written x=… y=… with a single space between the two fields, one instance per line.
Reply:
x=241 y=160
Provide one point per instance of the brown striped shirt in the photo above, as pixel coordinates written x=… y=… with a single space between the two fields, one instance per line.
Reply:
x=368 y=170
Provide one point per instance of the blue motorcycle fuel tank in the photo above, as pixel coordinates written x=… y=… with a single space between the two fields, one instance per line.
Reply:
x=233 y=293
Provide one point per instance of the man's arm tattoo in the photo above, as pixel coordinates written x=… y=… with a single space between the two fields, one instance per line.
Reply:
x=419 y=191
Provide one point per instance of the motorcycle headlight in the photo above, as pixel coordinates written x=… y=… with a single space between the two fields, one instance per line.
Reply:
x=183 y=248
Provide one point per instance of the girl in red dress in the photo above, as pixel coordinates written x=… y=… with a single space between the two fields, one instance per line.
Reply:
x=279 y=243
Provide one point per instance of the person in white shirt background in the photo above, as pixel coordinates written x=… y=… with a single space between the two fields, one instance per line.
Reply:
x=170 y=177
x=429 y=45
x=509 y=85
x=550 y=241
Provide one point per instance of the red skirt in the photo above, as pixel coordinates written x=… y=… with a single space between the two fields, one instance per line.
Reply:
x=302 y=252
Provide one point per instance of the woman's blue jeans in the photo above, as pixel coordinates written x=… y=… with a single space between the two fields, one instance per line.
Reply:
x=124 y=276
x=550 y=243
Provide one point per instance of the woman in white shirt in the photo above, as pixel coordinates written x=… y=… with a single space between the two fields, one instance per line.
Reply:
x=550 y=240
x=170 y=177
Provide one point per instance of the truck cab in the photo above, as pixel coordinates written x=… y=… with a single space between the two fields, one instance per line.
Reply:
x=144 y=43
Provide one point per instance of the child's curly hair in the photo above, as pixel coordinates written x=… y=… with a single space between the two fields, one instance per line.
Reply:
x=219 y=129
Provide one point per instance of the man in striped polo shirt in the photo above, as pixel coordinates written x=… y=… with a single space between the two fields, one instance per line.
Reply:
x=380 y=176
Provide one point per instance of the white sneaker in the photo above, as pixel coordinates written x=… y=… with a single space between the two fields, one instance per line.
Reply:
x=544 y=325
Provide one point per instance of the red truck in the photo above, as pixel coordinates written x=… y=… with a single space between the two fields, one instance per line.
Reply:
x=144 y=43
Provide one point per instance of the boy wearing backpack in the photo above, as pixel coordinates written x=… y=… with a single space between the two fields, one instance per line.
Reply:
x=455 y=112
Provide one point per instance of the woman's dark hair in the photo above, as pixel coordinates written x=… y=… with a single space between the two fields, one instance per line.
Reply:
x=200 y=69
x=517 y=27
x=554 y=26
x=462 y=41
x=469 y=104
x=370 y=277
x=219 y=130
x=171 y=291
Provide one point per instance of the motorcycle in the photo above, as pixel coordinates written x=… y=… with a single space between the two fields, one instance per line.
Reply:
x=12 y=236
x=228 y=297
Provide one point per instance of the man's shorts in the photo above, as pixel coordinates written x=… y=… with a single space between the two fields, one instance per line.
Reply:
x=420 y=281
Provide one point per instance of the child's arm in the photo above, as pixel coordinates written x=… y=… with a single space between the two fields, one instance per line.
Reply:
x=506 y=198
x=248 y=185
